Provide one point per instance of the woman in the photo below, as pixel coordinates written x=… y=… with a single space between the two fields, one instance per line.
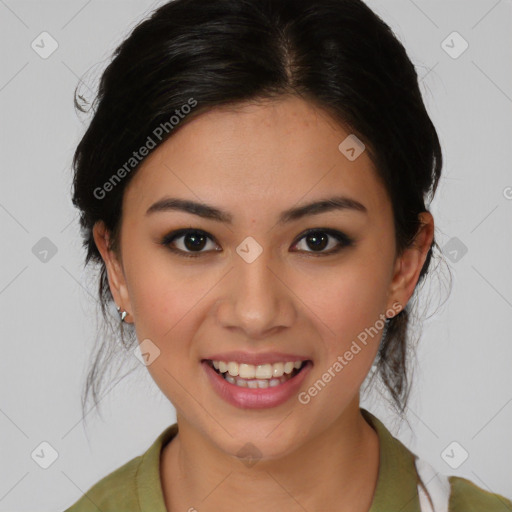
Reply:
x=253 y=187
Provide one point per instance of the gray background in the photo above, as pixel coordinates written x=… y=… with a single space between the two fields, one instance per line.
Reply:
x=463 y=386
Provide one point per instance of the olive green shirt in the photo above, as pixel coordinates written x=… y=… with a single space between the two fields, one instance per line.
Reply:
x=136 y=486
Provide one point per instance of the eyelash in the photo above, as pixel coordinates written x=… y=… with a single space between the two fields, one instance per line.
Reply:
x=344 y=240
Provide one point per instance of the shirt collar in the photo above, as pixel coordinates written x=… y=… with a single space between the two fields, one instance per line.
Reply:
x=149 y=484
x=396 y=488
x=397 y=481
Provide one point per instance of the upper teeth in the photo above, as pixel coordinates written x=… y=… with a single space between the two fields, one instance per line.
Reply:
x=260 y=371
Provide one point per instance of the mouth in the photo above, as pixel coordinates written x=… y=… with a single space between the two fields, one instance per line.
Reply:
x=257 y=376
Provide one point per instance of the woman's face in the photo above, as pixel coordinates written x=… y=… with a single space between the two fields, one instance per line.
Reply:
x=258 y=291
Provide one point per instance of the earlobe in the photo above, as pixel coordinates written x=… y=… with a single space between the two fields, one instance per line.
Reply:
x=114 y=270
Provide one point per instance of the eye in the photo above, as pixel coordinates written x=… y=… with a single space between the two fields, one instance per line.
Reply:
x=318 y=239
x=194 y=240
x=186 y=242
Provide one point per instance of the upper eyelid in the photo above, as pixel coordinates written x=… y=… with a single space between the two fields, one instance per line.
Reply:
x=178 y=233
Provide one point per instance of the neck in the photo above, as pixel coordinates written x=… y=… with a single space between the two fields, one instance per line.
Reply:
x=336 y=470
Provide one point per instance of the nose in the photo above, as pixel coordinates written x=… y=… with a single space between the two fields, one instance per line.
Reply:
x=256 y=299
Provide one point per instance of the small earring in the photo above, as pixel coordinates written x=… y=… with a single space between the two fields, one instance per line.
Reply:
x=123 y=313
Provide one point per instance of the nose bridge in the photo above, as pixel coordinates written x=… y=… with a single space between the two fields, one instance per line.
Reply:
x=257 y=300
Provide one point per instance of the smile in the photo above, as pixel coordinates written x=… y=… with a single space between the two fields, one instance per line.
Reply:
x=257 y=376
x=256 y=386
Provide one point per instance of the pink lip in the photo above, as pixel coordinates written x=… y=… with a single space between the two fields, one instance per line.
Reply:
x=256 y=358
x=248 y=398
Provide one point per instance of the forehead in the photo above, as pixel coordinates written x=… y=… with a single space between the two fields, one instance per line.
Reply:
x=256 y=155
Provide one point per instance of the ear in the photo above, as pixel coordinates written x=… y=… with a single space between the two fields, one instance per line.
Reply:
x=408 y=266
x=116 y=279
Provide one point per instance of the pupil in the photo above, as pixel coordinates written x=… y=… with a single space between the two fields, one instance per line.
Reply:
x=317 y=238
x=195 y=237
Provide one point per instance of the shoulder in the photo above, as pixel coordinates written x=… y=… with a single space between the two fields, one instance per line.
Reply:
x=133 y=486
x=467 y=497
x=116 y=491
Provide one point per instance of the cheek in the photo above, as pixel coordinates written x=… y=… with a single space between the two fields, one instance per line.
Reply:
x=166 y=307
x=164 y=303
x=163 y=293
x=349 y=319
x=350 y=305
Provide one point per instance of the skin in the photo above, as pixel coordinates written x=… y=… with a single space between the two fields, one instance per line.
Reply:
x=254 y=162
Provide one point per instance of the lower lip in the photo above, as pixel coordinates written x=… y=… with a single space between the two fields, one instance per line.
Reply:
x=248 y=398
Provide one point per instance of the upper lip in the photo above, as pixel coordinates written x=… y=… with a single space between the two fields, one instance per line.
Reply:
x=255 y=358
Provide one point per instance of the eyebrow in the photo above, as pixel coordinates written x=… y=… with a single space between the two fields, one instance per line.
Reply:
x=213 y=213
